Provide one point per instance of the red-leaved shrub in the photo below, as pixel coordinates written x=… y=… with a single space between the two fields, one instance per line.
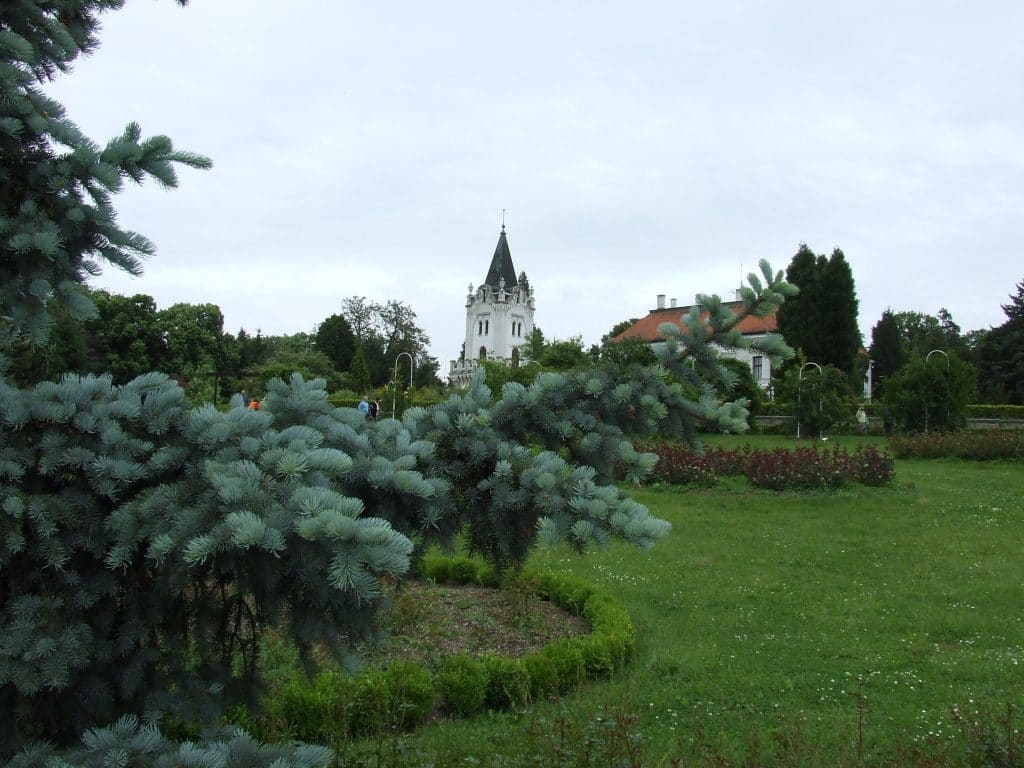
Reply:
x=775 y=469
x=980 y=445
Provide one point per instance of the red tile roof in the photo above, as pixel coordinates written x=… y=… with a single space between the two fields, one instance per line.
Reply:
x=646 y=328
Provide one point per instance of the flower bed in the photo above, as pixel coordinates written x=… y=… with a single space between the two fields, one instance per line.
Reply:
x=776 y=469
x=980 y=445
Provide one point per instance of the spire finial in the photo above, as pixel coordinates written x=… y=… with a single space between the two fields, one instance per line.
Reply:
x=503 y=220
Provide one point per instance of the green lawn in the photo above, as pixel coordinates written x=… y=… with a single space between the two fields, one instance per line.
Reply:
x=764 y=611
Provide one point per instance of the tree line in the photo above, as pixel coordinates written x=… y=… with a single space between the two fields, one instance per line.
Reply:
x=127 y=336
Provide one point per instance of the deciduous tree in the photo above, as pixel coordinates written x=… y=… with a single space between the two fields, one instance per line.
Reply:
x=334 y=338
x=126 y=337
x=930 y=393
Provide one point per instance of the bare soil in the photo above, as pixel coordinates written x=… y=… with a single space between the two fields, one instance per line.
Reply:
x=429 y=621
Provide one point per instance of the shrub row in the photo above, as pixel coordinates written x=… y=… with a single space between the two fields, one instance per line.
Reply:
x=458 y=570
x=335 y=706
x=980 y=445
x=776 y=469
x=980 y=411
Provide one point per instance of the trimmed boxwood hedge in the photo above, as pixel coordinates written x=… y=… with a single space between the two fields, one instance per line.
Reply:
x=1002 y=411
x=333 y=706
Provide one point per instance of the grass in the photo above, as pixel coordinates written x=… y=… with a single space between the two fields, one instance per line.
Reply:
x=860 y=620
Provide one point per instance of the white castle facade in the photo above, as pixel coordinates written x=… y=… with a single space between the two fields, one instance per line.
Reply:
x=499 y=318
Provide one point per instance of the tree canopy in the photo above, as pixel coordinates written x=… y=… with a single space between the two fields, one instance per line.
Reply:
x=1001 y=354
x=384 y=331
x=886 y=351
x=822 y=319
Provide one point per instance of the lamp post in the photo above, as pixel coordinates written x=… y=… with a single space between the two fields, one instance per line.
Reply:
x=926 y=359
x=412 y=365
x=799 y=395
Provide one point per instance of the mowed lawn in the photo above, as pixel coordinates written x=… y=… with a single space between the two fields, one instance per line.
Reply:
x=806 y=612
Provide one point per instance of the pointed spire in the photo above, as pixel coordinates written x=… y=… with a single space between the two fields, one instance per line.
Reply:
x=501 y=265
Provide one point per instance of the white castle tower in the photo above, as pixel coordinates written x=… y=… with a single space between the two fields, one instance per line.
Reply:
x=499 y=317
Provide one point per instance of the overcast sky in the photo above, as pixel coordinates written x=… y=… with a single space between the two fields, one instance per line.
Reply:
x=638 y=147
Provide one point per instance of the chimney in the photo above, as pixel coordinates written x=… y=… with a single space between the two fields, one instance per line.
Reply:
x=661 y=301
x=672 y=303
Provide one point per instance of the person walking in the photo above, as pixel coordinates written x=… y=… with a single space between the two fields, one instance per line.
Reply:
x=364 y=407
x=862 y=420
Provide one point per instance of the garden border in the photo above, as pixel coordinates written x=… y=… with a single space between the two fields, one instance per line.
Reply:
x=334 y=706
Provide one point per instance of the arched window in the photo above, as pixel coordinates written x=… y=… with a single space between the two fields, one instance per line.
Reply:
x=480 y=328
x=487 y=327
x=483 y=353
x=515 y=357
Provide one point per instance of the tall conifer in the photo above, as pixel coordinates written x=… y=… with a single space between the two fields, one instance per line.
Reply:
x=821 y=320
x=886 y=349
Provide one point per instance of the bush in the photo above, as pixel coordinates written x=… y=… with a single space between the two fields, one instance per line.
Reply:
x=508 y=683
x=370 y=706
x=777 y=469
x=567 y=659
x=301 y=710
x=411 y=690
x=462 y=684
x=458 y=570
x=820 y=401
x=980 y=445
x=679 y=464
x=610 y=622
x=335 y=706
x=806 y=468
x=930 y=394
x=1005 y=411
x=542 y=676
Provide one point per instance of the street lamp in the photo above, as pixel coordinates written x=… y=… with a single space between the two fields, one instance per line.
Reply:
x=394 y=394
x=926 y=359
x=799 y=396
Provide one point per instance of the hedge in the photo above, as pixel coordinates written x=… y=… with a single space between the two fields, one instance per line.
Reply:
x=333 y=706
